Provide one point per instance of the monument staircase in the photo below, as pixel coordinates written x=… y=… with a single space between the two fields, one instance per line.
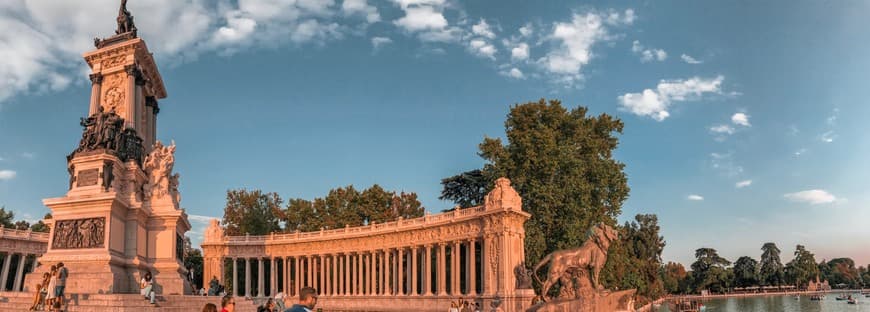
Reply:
x=20 y=302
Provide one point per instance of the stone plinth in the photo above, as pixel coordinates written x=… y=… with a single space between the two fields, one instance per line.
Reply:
x=602 y=301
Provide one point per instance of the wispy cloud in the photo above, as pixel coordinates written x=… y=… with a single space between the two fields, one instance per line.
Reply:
x=655 y=103
x=724 y=162
x=648 y=54
x=7 y=174
x=813 y=197
x=695 y=197
x=743 y=183
x=379 y=42
x=689 y=60
x=828 y=137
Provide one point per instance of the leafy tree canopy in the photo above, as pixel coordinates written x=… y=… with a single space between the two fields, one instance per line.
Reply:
x=771 y=271
x=561 y=163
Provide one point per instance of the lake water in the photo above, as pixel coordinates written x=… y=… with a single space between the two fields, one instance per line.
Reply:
x=782 y=304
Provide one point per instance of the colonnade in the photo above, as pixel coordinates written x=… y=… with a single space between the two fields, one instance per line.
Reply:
x=18 y=275
x=446 y=268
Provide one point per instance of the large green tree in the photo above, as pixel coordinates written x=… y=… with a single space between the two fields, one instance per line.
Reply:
x=7 y=218
x=842 y=273
x=745 y=272
x=466 y=189
x=709 y=271
x=561 y=163
x=634 y=261
x=251 y=212
x=803 y=268
x=771 y=269
x=673 y=277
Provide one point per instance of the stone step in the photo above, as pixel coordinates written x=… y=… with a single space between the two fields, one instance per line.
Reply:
x=21 y=301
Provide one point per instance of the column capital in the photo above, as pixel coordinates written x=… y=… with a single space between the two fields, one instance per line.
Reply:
x=96 y=78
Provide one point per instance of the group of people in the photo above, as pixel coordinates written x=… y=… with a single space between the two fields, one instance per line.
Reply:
x=464 y=306
x=50 y=290
x=307 y=301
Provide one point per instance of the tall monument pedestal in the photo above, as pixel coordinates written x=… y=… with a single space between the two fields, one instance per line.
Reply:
x=121 y=216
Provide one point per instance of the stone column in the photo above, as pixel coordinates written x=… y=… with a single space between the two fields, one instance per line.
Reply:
x=334 y=285
x=427 y=270
x=457 y=268
x=286 y=276
x=139 y=103
x=351 y=277
x=346 y=282
x=382 y=274
x=442 y=267
x=400 y=272
x=414 y=270
x=260 y=277
x=19 y=276
x=360 y=282
x=5 y=275
x=372 y=274
x=309 y=271
x=471 y=270
x=247 y=277
x=321 y=268
x=297 y=276
x=388 y=270
x=96 y=82
x=36 y=264
x=130 y=97
x=273 y=280
x=235 y=277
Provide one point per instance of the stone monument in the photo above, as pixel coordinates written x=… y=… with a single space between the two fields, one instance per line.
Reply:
x=577 y=271
x=121 y=215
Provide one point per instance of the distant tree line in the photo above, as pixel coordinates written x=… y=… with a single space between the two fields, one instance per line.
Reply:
x=716 y=274
x=255 y=212
x=7 y=220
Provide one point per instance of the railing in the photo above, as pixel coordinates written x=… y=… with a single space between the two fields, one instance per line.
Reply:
x=365 y=229
x=23 y=234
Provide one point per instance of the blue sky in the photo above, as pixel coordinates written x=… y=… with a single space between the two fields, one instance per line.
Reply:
x=744 y=121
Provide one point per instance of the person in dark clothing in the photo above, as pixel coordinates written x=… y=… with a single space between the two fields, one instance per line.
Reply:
x=307 y=300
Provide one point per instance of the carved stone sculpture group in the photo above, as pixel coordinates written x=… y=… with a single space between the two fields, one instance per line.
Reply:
x=80 y=233
x=158 y=168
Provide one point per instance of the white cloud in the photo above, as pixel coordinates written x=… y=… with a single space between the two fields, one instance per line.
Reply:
x=743 y=183
x=7 y=174
x=648 y=55
x=740 y=119
x=418 y=18
x=695 y=197
x=378 y=42
x=520 y=52
x=426 y=19
x=482 y=29
x=482 y=48
x=800 y=152
x=722 y=129
x=42 y=40
x=526 y=30
x=690 y=60
x=514 y=72
x=354 y=7
x=574 y=42
x=813 y=197
x=655 y=103
x=828 y=137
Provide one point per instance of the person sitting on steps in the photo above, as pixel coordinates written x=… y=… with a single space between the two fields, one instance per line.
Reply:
x=147 y=287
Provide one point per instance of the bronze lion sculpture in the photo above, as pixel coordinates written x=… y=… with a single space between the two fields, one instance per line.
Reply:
x=590 y=257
